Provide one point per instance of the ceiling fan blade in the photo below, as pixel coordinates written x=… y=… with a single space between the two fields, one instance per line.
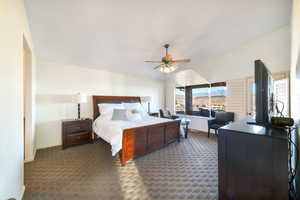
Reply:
x=151 y=61
x=181 y=61
x=157 y=66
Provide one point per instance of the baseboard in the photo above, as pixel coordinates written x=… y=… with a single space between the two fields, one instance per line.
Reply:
x=49 y=147
x=32 y=158
x=28 y=160
x=34 y=153
x=200 y=131
x=22 y=193
x=197 y=131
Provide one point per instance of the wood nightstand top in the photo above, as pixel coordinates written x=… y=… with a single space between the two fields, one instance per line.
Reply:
x=75 y=120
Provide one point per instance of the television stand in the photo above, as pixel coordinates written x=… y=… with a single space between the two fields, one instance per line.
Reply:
x=252 y=121
x=252 y=162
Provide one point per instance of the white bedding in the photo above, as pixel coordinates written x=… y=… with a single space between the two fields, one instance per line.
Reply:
x=112 y=130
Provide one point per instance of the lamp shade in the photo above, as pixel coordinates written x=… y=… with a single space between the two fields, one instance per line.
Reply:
x=146 y=99
x=80 y=98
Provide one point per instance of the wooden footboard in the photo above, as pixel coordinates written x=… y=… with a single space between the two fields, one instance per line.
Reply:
x=142 y=140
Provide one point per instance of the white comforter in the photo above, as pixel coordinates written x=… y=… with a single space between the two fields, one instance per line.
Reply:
x=112 y=130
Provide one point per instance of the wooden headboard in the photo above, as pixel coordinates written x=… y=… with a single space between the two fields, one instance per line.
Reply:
x=111 y=99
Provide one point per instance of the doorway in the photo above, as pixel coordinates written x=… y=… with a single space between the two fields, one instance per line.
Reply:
x=27 y=101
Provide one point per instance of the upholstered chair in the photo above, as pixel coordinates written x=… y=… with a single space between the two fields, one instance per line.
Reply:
x=220 y=119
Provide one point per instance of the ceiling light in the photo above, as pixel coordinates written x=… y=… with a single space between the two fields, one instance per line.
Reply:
x=167 y=62
x=167 y=68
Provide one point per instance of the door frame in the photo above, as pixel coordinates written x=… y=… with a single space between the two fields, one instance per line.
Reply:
x=27 y=101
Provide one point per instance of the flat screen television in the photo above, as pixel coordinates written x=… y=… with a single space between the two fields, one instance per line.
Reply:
x=264 y=96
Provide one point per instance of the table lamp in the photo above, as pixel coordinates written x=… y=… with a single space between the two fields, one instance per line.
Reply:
x=80 y=98
x=146 y=99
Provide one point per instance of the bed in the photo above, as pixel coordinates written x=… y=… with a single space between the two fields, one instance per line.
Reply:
x=136 y=138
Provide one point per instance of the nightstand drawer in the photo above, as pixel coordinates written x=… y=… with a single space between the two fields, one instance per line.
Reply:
x=76 y=132
x=79 y=138
x=75 y=128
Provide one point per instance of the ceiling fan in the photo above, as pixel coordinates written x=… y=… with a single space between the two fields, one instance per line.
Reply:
x=167 y=62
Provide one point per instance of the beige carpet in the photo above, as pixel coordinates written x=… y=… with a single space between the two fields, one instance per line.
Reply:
x=185 y=170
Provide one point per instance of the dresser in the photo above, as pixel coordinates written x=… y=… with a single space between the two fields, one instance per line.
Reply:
x=76 y=132
x=253 y=162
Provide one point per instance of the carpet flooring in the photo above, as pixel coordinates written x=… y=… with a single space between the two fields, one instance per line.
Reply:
x=185 y=170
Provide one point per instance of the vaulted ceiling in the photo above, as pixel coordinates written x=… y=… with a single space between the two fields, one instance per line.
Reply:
x=118 y=35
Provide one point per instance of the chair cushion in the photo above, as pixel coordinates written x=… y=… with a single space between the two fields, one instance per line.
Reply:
x=216 y=126
x=224 y=117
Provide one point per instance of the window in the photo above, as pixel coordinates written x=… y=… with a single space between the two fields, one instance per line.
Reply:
x=218 y=95
x=253 y=100
x=280 y=89
x=251 y=107
x=201 y=99
x=208 y=98
x=281 y=95
x=180 y=100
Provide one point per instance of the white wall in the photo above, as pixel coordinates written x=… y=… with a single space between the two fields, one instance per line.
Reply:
x=272 y=48
x=295 y=61
x=197 y=123
x=170 y=96
x=56 y=83
x=13 y=27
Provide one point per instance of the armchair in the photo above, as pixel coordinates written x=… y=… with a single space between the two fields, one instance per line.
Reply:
x=205 y=112
x=167 y=114
x=221 y=119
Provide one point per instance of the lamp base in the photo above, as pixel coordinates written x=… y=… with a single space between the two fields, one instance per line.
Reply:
x=148 y=107
x=78 y=111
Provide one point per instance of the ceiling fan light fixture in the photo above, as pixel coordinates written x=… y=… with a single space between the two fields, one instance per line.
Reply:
x=167 y=62
x=167 y=69
x=172 y=68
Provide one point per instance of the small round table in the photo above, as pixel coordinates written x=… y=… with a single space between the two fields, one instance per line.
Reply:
x=185 y=123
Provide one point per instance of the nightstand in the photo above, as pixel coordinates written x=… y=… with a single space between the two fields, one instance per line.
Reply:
x=76 y=132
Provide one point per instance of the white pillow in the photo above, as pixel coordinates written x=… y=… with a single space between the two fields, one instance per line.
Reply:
x=106 y=109
x=120 y=114
x=131 y=106
x=137 y=106
x=133 y=116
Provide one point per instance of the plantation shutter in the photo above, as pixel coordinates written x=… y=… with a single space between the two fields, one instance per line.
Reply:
x=236 y=99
